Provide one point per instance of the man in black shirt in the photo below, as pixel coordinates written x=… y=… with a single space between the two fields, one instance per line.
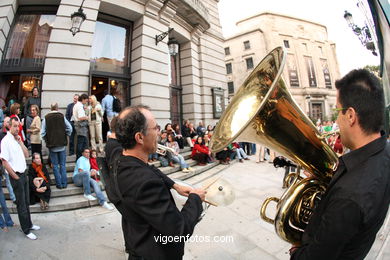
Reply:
x=345 y=223
x=147 y=207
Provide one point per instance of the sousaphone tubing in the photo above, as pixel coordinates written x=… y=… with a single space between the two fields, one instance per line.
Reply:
x=263 y=111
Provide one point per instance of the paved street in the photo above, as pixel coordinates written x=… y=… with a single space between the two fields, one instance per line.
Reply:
x=95 y=233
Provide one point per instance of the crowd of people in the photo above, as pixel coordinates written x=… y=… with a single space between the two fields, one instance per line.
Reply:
x=82 y=127
x=22 y=133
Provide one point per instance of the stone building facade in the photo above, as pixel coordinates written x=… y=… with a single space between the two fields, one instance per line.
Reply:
x=115 y=49
x=311 y=66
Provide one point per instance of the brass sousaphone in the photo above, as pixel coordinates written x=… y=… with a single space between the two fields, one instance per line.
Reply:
x=263 y=111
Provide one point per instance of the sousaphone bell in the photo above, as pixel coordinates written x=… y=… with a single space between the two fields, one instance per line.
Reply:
x=263 y=111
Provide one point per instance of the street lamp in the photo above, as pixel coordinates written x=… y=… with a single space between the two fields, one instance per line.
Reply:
x=161 y=36
x=77 y=19
x=173 y=46
x=363 y=33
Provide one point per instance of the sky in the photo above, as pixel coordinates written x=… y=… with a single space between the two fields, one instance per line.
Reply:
x=350 y=52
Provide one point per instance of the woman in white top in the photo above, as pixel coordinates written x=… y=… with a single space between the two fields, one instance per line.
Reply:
x=35 y=131
x=95 y=115
x=176 y=157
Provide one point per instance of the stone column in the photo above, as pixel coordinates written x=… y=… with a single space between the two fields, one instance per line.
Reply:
x=212 y=69
x=67 y=63
x=190 y=77
x=213 y=73
x=150 y=62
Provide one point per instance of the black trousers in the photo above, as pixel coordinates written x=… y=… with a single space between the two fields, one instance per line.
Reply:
x=71 y=139
x=200 y=157
x=82 y=143
x=22 y=194
x=36 y=148
x=180 y=142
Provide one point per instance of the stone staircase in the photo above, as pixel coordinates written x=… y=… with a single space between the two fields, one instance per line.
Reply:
x=72 y=197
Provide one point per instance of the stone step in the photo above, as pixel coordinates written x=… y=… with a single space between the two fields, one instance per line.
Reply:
x=202 y=178
x=179 y=175
x=45 y=159
x=200 y=174
x=185 y=154
x=72 y=197
x=170 y=170
x=58 y=204
x=70 y=168
x=55 y=192
x=72 y=159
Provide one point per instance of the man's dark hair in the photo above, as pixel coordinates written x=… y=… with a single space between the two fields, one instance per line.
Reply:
x=362 y=90
x=112 y=91
x=82 y=97
x=130 y=121
x=13 y=119
x=113 y=124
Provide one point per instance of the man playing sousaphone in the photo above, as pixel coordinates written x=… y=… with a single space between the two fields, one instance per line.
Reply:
x=351 y=212
x=145 y=202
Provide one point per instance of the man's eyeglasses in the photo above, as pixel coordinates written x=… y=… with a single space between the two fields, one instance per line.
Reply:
x=339 y=109
x=154 y=128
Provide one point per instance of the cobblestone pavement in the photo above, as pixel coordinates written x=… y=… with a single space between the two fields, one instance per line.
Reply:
x=235 y=231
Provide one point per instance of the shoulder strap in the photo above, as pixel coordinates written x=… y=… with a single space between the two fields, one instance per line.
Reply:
x=109 y=172
x=114 y=170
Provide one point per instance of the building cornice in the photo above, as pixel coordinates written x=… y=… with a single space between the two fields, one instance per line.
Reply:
x=280 y=15
x=243 y=33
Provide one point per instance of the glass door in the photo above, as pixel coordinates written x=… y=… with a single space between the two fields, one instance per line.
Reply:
x=121 y=89
x=175 y=105
x=17 y=88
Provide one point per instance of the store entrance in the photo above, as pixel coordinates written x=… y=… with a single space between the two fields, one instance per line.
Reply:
x=17 y=88
x=101 y=86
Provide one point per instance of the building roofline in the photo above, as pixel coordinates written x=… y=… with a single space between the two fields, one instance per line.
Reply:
x=243 y=33
x=281 y=15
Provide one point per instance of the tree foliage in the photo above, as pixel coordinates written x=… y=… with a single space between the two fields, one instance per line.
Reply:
x=373 y=68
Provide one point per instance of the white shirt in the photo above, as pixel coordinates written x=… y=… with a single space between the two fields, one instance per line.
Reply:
x=12 y=152
x=78 y=111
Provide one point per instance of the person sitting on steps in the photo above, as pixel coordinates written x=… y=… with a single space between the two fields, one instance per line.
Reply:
x=82 y=177
x=200 y=152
